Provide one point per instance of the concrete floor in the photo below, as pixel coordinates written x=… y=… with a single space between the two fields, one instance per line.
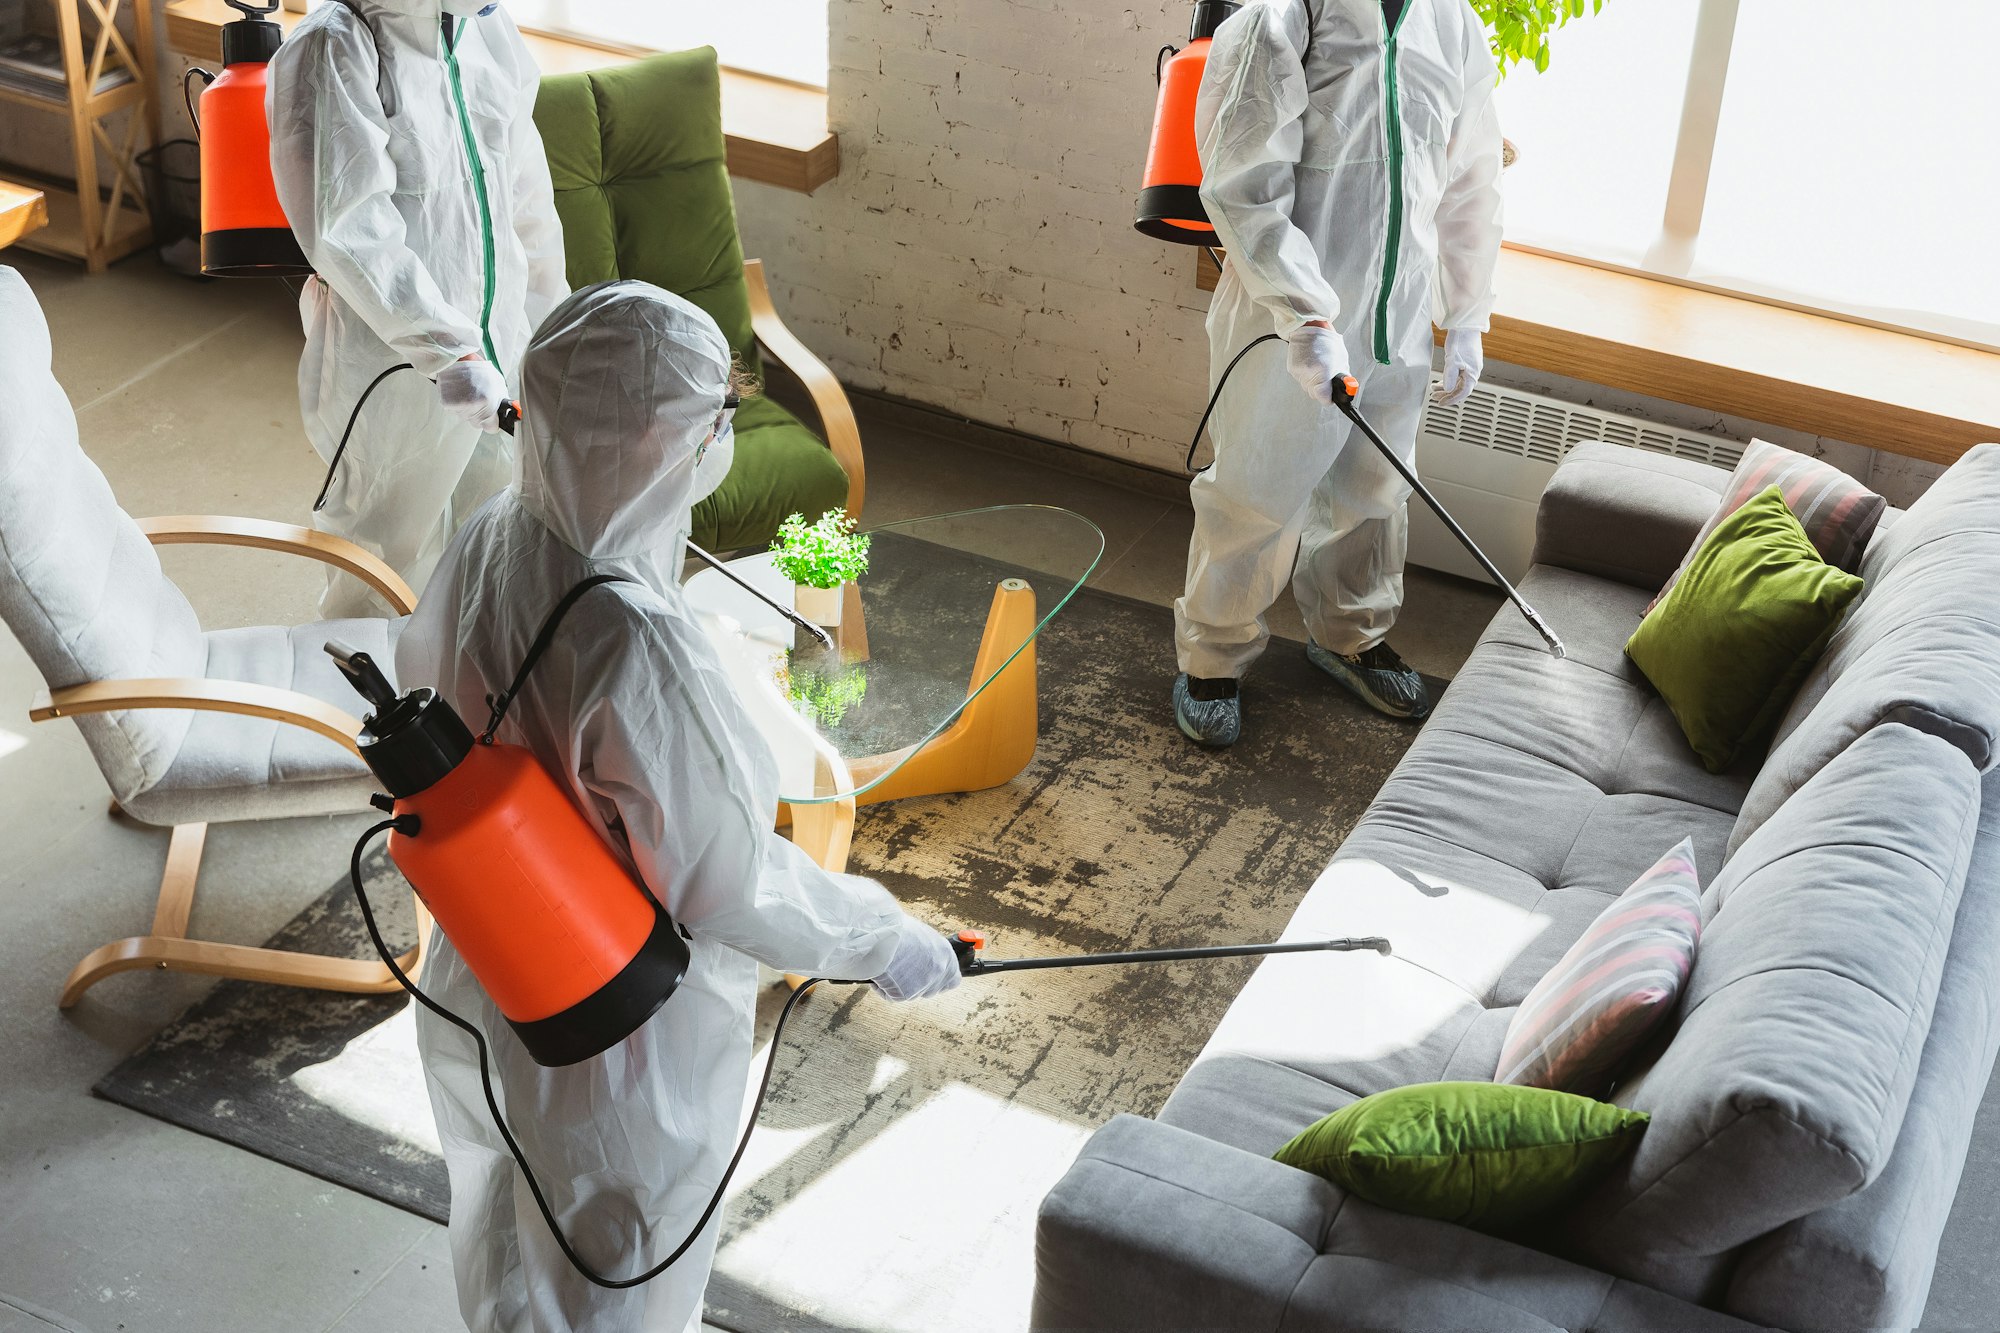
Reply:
x=114 y=1221
x=184 y=396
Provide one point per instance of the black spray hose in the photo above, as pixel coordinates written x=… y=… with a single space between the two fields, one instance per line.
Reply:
x=333 y=464
x=966 y=944
x=1214 y=398
x=1346 y=390
x=510 y=416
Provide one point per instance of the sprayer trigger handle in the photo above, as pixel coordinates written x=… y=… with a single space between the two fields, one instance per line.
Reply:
x=967 y=944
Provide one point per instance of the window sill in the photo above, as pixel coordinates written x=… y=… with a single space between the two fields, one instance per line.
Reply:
x=1891 y=391
x=776 y=131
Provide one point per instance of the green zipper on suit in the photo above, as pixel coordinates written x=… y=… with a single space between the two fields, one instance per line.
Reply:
x=479 y=193
x=1393 y=108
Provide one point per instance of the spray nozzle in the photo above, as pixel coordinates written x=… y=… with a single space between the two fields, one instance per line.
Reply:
x=252 y=11
x=362 y=673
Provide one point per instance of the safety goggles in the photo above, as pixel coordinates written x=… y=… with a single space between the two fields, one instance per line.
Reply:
x=730 y=403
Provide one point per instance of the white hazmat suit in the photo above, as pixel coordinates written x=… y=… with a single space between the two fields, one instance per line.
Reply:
x=632 y=709
x=414 y=178
x=1352 y=174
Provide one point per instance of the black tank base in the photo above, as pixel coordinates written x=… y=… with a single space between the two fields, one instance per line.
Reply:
x=616 y=1009
x=1174 y=213
x=253 y=252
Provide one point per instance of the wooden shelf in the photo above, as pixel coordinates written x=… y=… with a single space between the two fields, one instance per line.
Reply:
x=111 y=99
x=96 y=225
x=775 y=131
x=64 y=235
x=1897 y=392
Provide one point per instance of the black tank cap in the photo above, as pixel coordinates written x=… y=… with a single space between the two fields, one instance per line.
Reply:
x=248 y=41
x=414 y=742
x=1208 y=16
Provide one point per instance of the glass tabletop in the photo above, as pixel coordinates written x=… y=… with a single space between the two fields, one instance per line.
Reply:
x=842 y=719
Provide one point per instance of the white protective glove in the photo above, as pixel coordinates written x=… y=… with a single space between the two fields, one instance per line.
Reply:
x=472 y=391
x=924 y=964
x=1314 y=356
x=1464 y=358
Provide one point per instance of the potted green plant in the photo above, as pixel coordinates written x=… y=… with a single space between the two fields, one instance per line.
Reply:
x=821 y=559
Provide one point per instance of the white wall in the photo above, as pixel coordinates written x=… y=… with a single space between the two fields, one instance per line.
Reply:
x=976 y=252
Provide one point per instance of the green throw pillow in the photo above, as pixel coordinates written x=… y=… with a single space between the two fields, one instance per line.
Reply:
x=1487 y=1155
x=1730 y=644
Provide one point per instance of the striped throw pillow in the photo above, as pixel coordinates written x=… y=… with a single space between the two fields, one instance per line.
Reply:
x=1838 y=513
x=1582 y=1021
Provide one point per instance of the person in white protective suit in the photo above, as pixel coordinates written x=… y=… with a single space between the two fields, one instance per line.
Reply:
x=405 y=154
x=623 y=429
x=1351 y=162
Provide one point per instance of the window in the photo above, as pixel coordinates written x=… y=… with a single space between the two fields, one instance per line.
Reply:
x=785 y=39
x=1840 y=159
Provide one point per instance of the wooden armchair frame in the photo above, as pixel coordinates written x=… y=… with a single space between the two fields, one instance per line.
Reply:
x=167 y=946
x=836 y=419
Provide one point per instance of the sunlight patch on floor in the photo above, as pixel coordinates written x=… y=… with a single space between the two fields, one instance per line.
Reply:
x=378 y=1081
x=946 y=1194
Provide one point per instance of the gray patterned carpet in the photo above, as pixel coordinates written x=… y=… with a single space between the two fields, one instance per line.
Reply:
x=904 y=1148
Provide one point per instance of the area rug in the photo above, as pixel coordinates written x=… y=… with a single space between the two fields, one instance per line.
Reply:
x=904 y=1149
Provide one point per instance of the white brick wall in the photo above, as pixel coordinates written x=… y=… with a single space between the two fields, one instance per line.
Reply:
x=976 y=251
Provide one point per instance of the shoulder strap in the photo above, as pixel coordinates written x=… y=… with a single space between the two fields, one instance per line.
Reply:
x=504 y=700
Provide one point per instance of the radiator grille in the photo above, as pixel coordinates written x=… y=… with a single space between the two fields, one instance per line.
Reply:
x=1544 y=430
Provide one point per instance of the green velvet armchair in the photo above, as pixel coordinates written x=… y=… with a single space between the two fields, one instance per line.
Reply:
x=638 y=160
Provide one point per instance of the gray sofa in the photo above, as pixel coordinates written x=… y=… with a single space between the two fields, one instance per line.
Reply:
x=1812 y=1107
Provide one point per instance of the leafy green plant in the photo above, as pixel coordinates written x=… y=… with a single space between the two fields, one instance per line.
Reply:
x=1520 y=28
x=824 y=554
x=826 y=698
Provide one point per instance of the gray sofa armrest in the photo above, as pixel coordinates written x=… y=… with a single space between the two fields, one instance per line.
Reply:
x=1625 y=514
x=1157 y=1228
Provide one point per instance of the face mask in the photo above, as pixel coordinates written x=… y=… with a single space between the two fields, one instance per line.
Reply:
x=714 y=465
x=467 y=9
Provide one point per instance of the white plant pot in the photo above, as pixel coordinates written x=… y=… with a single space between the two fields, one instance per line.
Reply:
x=819 y=605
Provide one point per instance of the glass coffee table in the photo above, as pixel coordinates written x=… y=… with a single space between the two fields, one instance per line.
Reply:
x=930 y=685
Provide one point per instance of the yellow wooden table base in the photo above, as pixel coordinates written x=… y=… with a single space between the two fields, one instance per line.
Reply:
x=994 y=738
x=990 y=742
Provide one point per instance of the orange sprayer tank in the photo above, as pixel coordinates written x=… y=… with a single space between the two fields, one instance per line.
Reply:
x=1170 y=207
x=571 y=947
x=243 y=228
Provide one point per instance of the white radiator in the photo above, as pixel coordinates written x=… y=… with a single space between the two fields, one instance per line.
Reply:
x=1488 y=459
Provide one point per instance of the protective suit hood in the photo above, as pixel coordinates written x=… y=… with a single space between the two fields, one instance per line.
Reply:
x=620 y=387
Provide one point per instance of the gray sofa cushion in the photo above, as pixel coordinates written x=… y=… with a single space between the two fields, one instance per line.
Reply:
x=1154 y=1228
x=1805 y=1014
x=1866 y=1261
x=1535 y=795
x=1624 y=514
x=1920 y=646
